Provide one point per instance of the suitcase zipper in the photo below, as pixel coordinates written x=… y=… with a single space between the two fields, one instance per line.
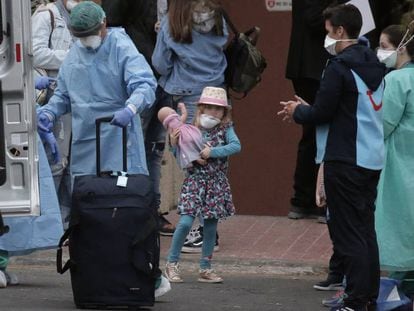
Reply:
x=114 y=212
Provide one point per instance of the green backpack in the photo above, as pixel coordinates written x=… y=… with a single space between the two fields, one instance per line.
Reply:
x=245 y=63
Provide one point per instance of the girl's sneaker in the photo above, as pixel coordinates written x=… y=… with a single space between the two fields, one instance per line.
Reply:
x=209 y=276
x=172 y=272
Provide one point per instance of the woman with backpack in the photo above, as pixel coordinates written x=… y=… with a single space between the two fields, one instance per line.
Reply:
x=189 y=51
x=189 y=55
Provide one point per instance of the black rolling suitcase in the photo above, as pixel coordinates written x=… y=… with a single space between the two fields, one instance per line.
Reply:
x=113 y=239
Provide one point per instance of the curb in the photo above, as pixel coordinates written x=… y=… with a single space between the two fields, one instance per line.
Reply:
x=190 y=263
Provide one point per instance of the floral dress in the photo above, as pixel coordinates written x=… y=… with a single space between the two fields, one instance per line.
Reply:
x=206 y=189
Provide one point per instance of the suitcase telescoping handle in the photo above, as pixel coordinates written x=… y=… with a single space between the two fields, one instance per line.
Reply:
x=98 y=123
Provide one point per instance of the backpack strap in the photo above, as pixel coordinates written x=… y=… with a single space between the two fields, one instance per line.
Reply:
x=52 y=24
x=229 y=22
x=52 y=21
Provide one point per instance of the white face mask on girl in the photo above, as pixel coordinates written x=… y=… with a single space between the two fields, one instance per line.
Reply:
x=387 y=57
x=70 y=4
x=208 y=122
x=91 y=42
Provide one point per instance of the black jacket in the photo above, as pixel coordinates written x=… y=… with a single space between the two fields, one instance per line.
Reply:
x=337 y=104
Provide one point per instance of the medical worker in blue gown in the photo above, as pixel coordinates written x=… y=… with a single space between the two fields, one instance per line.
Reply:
x=30 y=233
x=102 y=75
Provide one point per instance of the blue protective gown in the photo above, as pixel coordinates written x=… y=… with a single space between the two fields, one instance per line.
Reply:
x=394 y=215
x=97 y=83
x=38 y=232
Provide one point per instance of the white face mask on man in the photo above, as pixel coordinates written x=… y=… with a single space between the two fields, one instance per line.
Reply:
x=330 y=44
x=70 y=4
x=91 y=42
x=208 y=122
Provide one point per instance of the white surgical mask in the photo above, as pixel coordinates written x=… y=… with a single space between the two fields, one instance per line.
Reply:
x=70 y=4
x=203 y=22
x=208 y=122
x=387 y=57
x=330 y=44
x=91 y=42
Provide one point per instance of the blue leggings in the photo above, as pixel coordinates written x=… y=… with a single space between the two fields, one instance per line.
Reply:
x=209 y=239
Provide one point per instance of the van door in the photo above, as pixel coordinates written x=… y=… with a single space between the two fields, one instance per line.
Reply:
x=19 y=190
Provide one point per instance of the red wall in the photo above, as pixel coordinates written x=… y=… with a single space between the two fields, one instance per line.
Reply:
x=261 y=175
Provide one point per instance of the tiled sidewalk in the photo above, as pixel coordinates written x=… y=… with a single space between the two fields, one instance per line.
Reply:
x=266 y=238
x=248 y=244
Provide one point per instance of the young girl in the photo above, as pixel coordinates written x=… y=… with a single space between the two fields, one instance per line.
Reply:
x=206 y=189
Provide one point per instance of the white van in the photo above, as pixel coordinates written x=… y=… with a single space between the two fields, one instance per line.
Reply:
x=19 y=190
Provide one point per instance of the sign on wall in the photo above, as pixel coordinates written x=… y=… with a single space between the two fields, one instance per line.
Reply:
x=278 y=5
x=368 y=22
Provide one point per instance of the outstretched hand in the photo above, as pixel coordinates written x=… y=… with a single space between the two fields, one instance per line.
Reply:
x=289 y=108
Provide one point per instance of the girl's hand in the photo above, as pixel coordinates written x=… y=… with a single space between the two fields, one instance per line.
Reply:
x=201 y=161
x=174 y=137
x=205 y=153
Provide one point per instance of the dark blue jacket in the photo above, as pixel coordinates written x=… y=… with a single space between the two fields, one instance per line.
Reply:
x=347 y=109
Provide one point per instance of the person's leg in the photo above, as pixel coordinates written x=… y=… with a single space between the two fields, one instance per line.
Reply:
x=65 y=197
x=154 y=134
x=208 y=275
x=209 y=240
x=370 y=195
x=336 y=269
x=347 y=188
x=172 y=271
x=335 y=276
x=183 y=227
x=303 y=200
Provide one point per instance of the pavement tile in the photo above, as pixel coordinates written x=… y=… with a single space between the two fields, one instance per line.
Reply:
x=250 y=240
x=271 y=238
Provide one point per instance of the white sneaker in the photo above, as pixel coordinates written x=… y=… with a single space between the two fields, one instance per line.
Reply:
x=11 y=278
x=163 y=288
x=3 y=280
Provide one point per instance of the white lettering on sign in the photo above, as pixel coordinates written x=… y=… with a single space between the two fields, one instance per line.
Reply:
x=278 y=5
